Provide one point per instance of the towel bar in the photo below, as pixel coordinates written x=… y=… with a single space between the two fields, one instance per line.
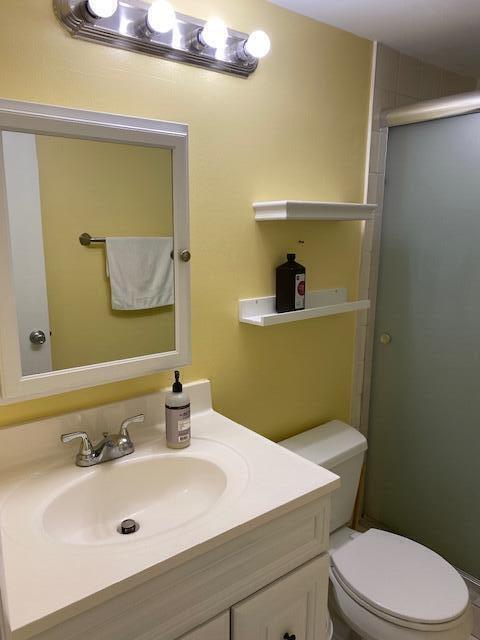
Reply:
x=86 y=240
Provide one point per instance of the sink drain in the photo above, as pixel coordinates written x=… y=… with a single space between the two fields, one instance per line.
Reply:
x=128 y=526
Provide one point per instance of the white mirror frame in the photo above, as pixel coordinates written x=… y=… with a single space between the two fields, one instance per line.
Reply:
x=49 y=120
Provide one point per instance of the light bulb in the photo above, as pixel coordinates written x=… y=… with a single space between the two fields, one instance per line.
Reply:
x=102 y=8
x=161 y=16
x=214 y=34
x=258 y=44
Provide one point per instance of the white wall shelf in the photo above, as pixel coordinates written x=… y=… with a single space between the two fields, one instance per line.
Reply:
x=326 y=302
x=303 y=210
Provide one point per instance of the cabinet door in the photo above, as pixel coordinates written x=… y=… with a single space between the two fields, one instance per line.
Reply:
x=293 y=607
x=217 y=629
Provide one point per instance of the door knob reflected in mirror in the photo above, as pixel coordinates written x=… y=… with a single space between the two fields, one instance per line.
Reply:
x=385 y=338
x=38 y=337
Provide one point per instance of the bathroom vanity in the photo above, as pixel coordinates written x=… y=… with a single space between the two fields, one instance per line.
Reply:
x=232 y=540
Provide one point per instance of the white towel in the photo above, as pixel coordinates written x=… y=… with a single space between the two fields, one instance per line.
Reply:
x=140 y=272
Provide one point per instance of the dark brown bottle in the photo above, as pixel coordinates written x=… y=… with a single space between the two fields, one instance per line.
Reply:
x=290 y=285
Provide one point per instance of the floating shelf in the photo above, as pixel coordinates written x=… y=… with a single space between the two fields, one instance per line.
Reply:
x=326 y=302
x=302 y=210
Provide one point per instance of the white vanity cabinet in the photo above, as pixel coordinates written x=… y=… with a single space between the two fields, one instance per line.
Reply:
x=217 y=629
x=293 y=607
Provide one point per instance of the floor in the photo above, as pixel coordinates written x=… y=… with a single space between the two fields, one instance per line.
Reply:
x=476 y=623
x=475 y=597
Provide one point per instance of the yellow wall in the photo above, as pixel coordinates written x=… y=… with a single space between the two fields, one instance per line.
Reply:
x=105 y=189
x=296 y=129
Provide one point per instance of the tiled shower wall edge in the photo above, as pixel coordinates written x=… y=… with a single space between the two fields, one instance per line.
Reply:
x=364 y=272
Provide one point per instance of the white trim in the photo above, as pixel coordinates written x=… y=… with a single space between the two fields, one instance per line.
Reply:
x=366 y=374
x=42 y=119
x=365 y=260
x=373 y=72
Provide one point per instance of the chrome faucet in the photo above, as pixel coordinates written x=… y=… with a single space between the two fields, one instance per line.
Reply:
x=111 y=447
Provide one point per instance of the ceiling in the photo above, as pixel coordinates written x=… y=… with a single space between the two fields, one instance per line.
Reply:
x=442 y=32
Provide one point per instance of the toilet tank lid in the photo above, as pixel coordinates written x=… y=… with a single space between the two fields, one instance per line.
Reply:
x=328 y=444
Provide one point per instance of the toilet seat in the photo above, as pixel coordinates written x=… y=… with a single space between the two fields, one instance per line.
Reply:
x=400 y=580
x=373 y=627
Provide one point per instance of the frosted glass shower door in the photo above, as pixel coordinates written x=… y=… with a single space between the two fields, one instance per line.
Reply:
x=423 y=474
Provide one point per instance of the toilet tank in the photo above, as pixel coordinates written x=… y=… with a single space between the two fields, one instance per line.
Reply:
x=341 y=449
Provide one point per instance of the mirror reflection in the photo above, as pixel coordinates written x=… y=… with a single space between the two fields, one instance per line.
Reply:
x=110 y=299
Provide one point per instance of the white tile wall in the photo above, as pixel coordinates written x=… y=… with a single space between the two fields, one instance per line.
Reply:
x=430 y=82
x=388 y=61
x=399 y=80
x=368 y=236
x=409 y=74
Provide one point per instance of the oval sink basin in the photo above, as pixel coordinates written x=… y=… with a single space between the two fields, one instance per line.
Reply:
x=159 y=492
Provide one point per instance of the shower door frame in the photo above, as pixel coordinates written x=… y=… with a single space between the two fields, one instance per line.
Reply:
x=426 y=111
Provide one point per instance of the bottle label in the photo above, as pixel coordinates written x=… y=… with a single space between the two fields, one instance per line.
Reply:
x=177 y=422
x=299 y=291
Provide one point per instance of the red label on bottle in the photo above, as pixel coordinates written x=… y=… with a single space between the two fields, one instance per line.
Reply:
x=299 y=291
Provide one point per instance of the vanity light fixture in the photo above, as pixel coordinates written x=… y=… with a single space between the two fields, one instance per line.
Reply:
x=156 y=29
x=98 y=9
x=214 y=34
x=161 y=17
x=257 y=45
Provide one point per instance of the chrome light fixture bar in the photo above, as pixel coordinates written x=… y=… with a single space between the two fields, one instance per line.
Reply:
x=155 y=29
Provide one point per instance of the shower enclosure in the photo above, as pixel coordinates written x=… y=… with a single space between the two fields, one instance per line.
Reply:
x=423 y=473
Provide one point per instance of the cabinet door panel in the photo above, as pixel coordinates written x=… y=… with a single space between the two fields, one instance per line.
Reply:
x=294 y=605
x=217 y=629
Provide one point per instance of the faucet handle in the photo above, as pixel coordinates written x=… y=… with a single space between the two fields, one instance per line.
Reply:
x=86 y=448
x=128 y=421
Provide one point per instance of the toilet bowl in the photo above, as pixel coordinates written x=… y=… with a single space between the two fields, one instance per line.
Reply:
x=383 y=586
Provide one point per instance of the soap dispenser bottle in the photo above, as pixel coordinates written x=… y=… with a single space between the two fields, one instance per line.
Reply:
x=177 y=416
x=290 y=289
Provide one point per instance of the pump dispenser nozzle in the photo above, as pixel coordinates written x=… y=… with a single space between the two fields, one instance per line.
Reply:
x=177 y=385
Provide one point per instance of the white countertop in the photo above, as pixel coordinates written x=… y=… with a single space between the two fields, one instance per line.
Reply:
x=46 y=581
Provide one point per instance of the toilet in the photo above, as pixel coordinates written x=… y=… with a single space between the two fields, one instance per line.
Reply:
x=382 y=586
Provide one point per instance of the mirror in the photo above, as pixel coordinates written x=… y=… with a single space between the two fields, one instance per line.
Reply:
x=93 y=224
x=65 y=296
